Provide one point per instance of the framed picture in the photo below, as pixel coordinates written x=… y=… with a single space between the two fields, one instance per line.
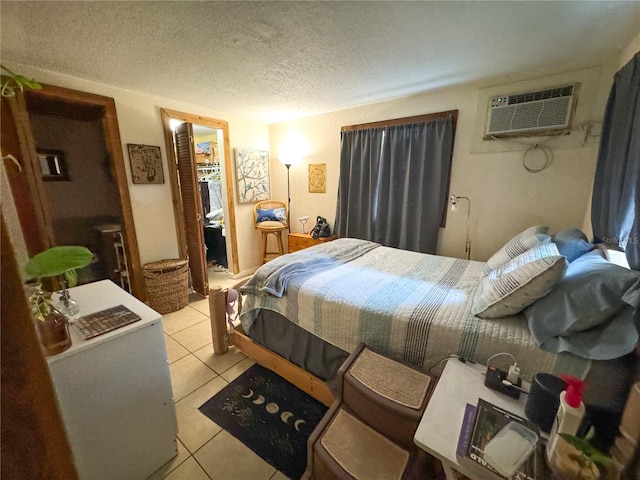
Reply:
x=204 y=152
x=53 y=165
x=252 y=174
x=318 y=178
x=146 y=163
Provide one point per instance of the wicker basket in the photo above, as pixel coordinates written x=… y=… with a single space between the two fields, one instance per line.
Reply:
x=167 y=283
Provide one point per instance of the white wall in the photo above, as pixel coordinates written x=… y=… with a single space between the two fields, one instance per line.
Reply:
x=506 y=199
x=629 y=51
x=140 y=122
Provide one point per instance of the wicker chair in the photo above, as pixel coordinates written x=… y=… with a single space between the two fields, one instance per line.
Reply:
x=270 y=227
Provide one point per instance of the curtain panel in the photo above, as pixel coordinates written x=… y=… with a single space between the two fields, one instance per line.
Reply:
x=615 y=206
x=394 y=182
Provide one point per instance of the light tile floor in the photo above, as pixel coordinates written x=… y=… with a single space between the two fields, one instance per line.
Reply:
x=205 y=450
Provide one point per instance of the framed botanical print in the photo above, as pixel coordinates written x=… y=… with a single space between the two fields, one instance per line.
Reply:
x=252 y=175
x=146 y=163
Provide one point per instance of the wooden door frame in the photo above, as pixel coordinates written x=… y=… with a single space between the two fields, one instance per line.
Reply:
x=229 y=223
x=34 y=440
x=113 y=144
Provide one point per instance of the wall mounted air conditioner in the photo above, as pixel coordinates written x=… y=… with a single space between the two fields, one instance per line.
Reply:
x=542 y=112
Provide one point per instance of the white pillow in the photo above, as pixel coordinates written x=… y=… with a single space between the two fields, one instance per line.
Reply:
x=519 y=244
x=521 y=281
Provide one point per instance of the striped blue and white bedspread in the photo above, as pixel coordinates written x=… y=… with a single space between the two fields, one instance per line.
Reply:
x=410 y=306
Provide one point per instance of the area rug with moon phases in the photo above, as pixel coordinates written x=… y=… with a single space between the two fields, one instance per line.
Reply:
x=269 y=415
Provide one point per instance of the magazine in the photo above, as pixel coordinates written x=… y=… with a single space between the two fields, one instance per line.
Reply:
x=105 y=321
x=480 y=423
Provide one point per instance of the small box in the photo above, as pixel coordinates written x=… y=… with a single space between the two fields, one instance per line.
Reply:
x=510 y=447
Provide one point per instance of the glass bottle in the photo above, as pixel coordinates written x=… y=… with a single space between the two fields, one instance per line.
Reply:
x=66 y=305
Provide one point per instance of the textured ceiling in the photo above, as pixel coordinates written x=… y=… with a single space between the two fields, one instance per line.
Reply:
x=272 y=61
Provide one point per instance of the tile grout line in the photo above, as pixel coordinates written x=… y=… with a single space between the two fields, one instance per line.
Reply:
x=220 y=375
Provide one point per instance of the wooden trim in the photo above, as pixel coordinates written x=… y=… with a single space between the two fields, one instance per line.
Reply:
x=32 y=171
x=228 y=167
x=34 y=441
x=222 y=338
x=230 y=223
x=114 y=147
x=302 y=379
x=405 y=120
x=29 y=216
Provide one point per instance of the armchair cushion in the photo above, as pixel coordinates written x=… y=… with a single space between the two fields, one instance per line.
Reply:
x=272 y=214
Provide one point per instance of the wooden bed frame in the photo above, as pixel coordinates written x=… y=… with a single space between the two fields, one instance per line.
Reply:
x=224 y=336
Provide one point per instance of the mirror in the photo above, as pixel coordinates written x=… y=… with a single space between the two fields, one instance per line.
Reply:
x=53 y=165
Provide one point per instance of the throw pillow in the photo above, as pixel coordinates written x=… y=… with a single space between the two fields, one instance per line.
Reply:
x=572 y=243
x=592 y=291
x=517 y=245
x=518 y=283
x=280 y=214
x=271 y=214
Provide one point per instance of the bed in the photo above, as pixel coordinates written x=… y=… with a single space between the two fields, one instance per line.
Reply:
x=302 y=313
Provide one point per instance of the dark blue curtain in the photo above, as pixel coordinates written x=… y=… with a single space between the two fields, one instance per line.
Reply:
x=616 y=190
x=359 y=168
x=394 y=182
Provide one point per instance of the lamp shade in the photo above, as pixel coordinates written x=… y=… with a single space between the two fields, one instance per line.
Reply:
x=289 y=158
x=293 y=148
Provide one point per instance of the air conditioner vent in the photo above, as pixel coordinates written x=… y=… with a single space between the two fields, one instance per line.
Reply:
x=544 y=112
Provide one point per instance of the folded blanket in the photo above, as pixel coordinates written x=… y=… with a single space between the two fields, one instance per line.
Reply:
x=274 y=276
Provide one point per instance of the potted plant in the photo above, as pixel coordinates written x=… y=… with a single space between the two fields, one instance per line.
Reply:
x=577 y=459
x=10 y=82
x=51 y=324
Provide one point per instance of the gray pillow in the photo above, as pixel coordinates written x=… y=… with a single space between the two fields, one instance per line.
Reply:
x=592 y=292
x=572 y=243
x=518 y=283
x=613 y=338
x=519 y=244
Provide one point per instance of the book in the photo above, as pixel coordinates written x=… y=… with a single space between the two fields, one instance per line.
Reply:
x=480 y=423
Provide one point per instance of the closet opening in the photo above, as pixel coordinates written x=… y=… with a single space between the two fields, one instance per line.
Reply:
x=72 y=186
x=203 y=196
x=209 y=174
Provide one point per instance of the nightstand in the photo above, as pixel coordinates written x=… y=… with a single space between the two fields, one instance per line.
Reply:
x=439 y=428
x=300 y=241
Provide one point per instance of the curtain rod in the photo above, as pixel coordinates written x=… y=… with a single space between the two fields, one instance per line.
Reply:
x=401 y=121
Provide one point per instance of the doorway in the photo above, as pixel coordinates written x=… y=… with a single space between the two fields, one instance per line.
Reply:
x=202 y=188
x=207 y=142
x=74 y=180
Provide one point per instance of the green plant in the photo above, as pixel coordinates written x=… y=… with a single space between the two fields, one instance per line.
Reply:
x=64 y=260
x=591 y=455
x=12 y=81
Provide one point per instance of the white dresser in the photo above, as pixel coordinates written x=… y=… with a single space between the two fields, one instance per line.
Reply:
x=114 y=391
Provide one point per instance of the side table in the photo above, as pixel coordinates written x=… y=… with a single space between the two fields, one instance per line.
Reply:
x=114 y=391
x=300 y=241
x=439 y=429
